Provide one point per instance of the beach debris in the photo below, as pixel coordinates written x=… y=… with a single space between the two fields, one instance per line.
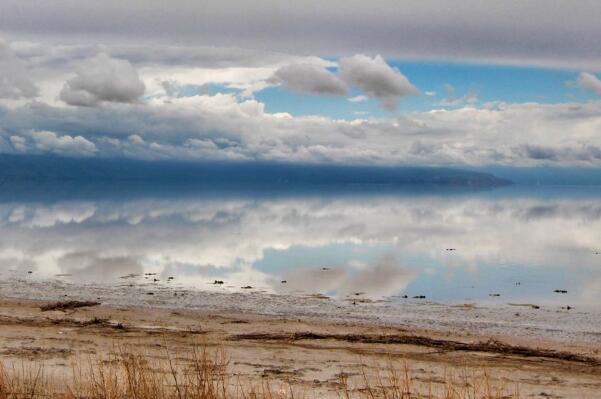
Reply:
x=561 y=291
x=155 y=280
x=284 y=282
x=217 y=282
x=325 y=268
x=150 y=274
x=419 y=297
x=405 y=296
x=150 y=293
x=567 y=307
x=451 y=249
x=528 y=305
x=246 y=287
x=489 y=346
x=66 y=305
x=29 y=272
x=170 y=278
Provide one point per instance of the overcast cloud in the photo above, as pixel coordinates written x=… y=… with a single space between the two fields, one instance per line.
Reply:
x=535 y=32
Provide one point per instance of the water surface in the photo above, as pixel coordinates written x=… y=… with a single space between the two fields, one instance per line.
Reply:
x=508 y=245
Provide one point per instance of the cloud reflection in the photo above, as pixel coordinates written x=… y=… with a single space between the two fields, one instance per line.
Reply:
x=396 y=239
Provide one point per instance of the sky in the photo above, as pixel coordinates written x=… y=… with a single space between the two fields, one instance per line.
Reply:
x=440 y=83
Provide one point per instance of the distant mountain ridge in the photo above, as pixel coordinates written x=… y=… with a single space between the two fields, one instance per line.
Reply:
x=44 y=168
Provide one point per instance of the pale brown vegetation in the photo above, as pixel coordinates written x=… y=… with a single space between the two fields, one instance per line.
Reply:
x=200 y=372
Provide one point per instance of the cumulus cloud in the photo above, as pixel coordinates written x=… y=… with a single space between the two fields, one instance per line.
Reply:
x=589 y=82
x=311 y=79
x=103 y=79
x=15 y=82
x=376 y=79
x=373 y=76
x=64 y=145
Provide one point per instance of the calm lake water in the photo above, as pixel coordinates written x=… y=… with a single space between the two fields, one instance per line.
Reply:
x=508 y=245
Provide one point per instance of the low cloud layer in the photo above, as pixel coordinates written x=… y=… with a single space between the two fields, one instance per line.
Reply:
x=222 y=126
x=102 y=79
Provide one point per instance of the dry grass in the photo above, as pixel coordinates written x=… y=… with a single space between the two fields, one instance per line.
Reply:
x=202 y=373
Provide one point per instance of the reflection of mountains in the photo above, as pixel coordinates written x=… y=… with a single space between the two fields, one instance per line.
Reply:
x=40 y=173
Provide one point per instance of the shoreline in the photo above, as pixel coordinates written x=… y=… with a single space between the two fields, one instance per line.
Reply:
x=306 y=353
x=519 y=321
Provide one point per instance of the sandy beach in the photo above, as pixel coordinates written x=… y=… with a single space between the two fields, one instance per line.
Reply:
x=306 y=351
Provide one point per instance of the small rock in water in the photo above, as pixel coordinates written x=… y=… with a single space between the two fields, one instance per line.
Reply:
x=218 y=282
x=405 y=296
x=494 y=294
x=419 y=297
x=246 y=287
x=284 y=281
x=325 y=268
x=561 y=291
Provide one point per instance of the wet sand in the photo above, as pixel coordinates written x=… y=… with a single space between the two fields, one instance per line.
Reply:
x=308 y=353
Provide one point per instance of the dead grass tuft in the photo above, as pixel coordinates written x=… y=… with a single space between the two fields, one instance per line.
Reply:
x=200 y=372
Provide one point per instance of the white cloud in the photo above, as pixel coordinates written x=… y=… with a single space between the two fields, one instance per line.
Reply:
x=589 y=82
x=64 y=145
x=225 y=127
x=376 y=79
x=311 y=79
x=452 y=100
x=358 y=99
x=103 y=79
x=15 y=82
